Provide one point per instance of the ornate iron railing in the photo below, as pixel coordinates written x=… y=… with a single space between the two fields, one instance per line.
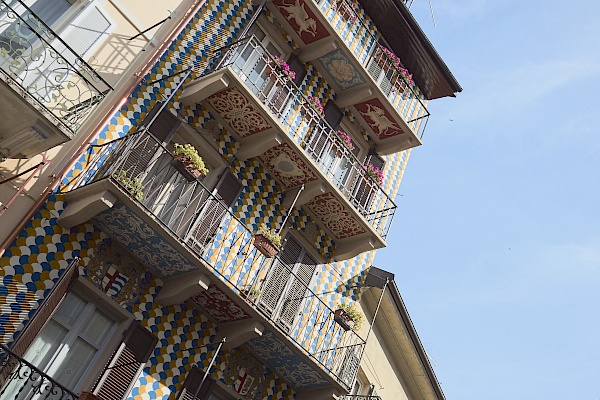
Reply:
x=45 y=70
x=305 y=124
x=19 y=379
x=142 y=166
x=352 y=25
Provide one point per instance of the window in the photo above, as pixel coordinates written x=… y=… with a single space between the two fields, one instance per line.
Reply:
x=76 y=338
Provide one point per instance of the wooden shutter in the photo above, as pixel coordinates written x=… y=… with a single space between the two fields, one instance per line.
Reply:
x=333 y=114
x=126 y=363
x=164 y=126
x=349 y=367
x=375 y=159
x=298 y=67
x=212 y=212
x=46 y=309
x=85 y=32
x=191 y=383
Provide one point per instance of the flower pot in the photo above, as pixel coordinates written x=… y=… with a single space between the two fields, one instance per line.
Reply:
x=265 y=246
x=186 y=168
x=343 y=319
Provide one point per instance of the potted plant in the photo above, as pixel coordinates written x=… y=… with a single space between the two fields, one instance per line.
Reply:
x=388 y=60
x=277 y=63
x=187 y=161
x=267 y=241
x=345 y=139
x=250 y=292
x=375 y=173
x=348 y=316
x=316 y=104
x=132 y=185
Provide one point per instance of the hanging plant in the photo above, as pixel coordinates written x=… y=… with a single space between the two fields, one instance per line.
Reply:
x=132 y=185
x=383 y=53
x=348 y=316
x=281 y=65
x=345 y=139
x=316 y=103
x=375 y=173
x=267 y=241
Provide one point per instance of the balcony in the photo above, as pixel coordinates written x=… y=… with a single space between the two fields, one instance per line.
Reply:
x=274 y=121
x=18 y=376
x=134 y=190
x=339 y=40
x=47 y=91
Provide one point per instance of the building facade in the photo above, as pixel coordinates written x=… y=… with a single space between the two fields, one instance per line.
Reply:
x=142 y=275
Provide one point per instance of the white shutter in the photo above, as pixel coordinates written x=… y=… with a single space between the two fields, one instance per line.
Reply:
x=85 y=31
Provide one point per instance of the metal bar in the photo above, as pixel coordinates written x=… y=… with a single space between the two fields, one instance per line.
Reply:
x=22 y=187
x=152 y=27
x=212 y=361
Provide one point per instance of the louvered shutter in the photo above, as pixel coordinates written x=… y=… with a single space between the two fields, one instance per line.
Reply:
x=191 y=383
x=85 y=32
x=46 y=309
x=296 y=292
x=375 y=159
x=333 y=114
x=298 y=67
x=349 y=367
x=162 y=126
x=212 y=212
x=126 y=363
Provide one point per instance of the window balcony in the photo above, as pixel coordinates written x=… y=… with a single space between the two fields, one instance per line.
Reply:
x=274 y=121
x=340 y=41
x=134 y=190
x=47 y=91
x=18 y=377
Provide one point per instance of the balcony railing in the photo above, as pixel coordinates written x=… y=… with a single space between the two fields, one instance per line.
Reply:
x=351 y=24
x=360 y=397
x=206 y=226
x=256 y=67
x=20 y=379
x=40 y=66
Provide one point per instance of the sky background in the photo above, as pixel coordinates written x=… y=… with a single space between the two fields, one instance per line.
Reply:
x=496 y=243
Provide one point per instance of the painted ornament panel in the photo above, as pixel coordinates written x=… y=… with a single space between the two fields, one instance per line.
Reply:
x=379 y=119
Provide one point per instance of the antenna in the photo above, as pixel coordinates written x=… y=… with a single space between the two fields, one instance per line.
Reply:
x=432 y=16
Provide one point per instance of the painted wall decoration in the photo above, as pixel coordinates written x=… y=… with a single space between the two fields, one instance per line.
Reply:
x=302 y=20
x=341 y=70
x=218 y=305
x=287 y=166
x=334 y=216
x=238 y=112
x=378 y=118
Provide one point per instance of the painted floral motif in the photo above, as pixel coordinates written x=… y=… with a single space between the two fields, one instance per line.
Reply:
x=341 y=70
x=287 y=166
x=218 y=305
x=239 y=113
x=334 y=216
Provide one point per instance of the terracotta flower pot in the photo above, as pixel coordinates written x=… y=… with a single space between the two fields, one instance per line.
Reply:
x=185 y=167
x=265 y=246
x=343 y=319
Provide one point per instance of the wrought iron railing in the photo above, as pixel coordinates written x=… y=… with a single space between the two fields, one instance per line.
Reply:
x=305 y=124
x=352 y=25
x=20 y=379
x=45 y=70
x=168 y=192
x=360 y=397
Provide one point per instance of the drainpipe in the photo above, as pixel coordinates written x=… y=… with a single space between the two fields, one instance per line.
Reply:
x=57 y=177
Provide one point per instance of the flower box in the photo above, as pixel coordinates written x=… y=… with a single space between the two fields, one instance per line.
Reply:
x=185 y=167
x=265 y=246
x=343 y=319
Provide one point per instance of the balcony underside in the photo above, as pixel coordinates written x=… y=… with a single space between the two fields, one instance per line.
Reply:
x=281 y=146
x=375 y=106
x=25 y=131
x=196 y=278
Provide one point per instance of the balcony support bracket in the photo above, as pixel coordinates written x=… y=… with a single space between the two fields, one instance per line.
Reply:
x=239 y=332
x=85 y=205
x=318 y=49
x=258 y=145
x=179 y=288
x=351 y=247
x=310 y=191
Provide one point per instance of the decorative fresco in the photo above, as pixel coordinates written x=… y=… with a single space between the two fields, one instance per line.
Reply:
x=240 y=114
x=123 y=225
x=287 y=166
x=341 y=70
x=302 y=20
x=334 y=216
x=218 y=305
x=378 y=118
x=282 y=359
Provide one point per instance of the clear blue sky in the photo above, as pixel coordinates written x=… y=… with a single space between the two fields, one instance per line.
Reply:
x=496 y=241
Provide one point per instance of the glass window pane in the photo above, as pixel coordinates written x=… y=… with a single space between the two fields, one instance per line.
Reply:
x=70 y=367
x=46 y=344
x=70 y=309
x=97 y=328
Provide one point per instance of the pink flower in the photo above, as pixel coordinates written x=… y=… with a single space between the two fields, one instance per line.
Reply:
x=279 y=63
x=375 y=173
x=316 y=103
x=346 y=138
